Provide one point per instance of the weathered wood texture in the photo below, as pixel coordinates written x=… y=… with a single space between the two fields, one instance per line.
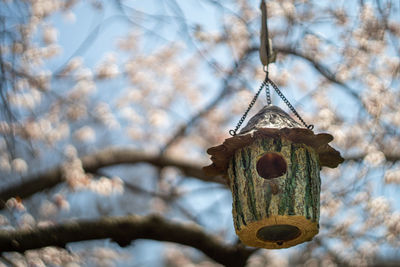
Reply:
x=291 y=199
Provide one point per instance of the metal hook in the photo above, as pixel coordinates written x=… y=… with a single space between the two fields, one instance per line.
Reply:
x=267 y=54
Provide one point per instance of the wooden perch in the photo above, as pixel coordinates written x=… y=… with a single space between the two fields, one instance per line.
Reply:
x=124 y=230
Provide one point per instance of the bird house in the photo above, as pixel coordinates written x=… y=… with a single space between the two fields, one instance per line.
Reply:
x=272 y=167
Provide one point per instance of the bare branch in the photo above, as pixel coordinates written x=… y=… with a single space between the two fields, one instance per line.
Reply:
x=124 y=230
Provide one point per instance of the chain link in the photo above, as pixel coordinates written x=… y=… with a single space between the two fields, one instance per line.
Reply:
x=278 y=91
x=264 y=83
x=267 y=91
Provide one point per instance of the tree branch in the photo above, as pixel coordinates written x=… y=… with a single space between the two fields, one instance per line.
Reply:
x=115 y=156
x=101 y=159
x=124 y=230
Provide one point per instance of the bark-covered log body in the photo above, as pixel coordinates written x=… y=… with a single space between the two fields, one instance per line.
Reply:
x=290 y=200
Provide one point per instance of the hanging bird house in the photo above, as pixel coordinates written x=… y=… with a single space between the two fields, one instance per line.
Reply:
x=272 y=167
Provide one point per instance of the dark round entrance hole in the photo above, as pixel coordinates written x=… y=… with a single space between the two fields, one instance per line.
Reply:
x=271 y=165
x=278 y=233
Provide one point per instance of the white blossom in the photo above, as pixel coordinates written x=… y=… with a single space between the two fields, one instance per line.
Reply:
x=392 y=176
x=50 y=35
x=85 y=134
x=19 y=165
x=379 y=207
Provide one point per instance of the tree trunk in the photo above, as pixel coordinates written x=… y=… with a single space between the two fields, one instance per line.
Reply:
x=275 y=212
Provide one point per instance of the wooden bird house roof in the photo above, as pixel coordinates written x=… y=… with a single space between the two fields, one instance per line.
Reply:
x=272 y=121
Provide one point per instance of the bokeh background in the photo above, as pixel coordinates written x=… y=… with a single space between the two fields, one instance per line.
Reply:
x=107 y=109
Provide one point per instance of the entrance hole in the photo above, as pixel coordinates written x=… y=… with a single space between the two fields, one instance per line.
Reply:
x=279 y=233
x=271 y=165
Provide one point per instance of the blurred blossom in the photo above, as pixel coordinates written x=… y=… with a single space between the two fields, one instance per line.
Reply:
x=27 y=100
x=43 y=8
x=312 y=41
x=159 y=118
x=378 y=207
x=85 y=134
x=51 y=51
x=50 y=34
x=130 y=114
x=392 y=223
x=61 y=202
x=69 y=16
x=19 y=165
x=21 y=84
x=82 y=89
x=367 y=12
x=36 y=262
x=77 y=111
x=48 y=209
x=17 y=48
x=107 y=70
x=45 y=223
x=274 y=9
x=135 y=133
x=15 y=204
x=238 y=35
x=175 y=256
x=361 y=198
x=158 y=205
x=245 y=97
x=26 y=221
x=129 y=42
x=374 y=157
x=53 y=256
x=343 y=73
x=3 y=221
x=392 y=176
x=341 y=16
x=117 y=184
x=106 y=187
x=289 y=9
x=325 y=118
x=70 y=152
x=43 y=80
x=83 y=74
x=103 y=113
x=57 y=133
x=74 y=174
x=72 y=65
x=331 y=207
x=106 y=257
x=5 y=165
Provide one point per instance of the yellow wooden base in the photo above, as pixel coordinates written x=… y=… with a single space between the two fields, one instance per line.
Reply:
x=248 y=233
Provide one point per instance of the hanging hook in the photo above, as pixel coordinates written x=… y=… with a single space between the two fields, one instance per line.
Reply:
x=267 y=54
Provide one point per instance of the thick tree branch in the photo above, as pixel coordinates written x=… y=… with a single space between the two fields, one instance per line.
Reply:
x=115 y=156
x=124 y=230
x=101 y=159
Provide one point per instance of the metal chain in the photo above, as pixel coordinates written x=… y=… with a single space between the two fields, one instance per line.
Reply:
x=310 y=126
x=267 y=91
x=264 y=83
